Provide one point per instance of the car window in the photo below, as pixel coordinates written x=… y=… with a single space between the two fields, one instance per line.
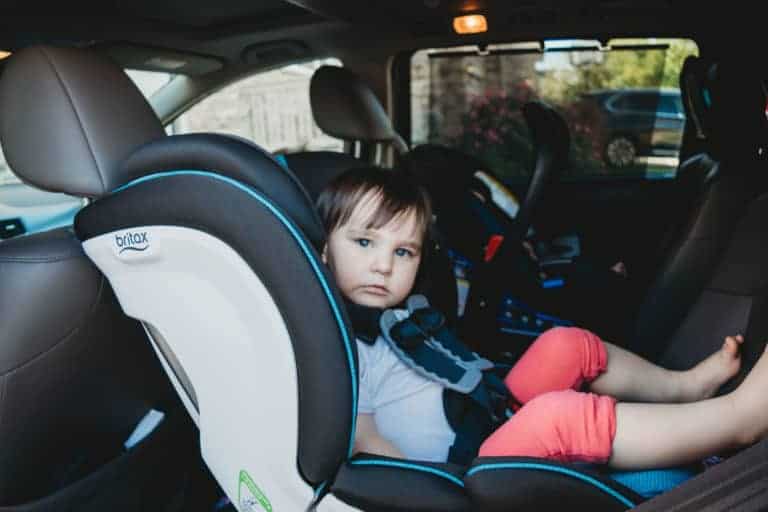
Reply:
x=149 y=82
x=670 y=104
x=641 y=102
x=6 y=175
x=622 y=106
x=271 y=109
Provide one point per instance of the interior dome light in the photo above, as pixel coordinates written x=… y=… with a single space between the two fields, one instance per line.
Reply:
x=470 y=24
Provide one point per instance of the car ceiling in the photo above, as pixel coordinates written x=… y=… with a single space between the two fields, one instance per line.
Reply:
x=223 y=28
x=363 y=34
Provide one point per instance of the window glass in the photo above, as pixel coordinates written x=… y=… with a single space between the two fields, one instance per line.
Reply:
x=271 y=109
x=149 y=82
x=671 y=105
x=640 y=101
x=622 y=105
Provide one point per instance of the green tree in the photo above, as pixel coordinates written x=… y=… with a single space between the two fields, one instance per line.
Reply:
x=617 y=69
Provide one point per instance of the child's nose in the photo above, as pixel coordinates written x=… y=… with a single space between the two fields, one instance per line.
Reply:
x=382 y=263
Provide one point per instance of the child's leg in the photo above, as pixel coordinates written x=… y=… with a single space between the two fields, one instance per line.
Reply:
x=568 y=357
x=561 y=358
x=631 y=378
x=662 y=435
x=570 y=426
x=567 y=426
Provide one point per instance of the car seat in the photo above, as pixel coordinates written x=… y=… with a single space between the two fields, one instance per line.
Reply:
x=76 y=376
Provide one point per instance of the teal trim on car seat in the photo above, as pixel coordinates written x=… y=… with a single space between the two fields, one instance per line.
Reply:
x=296 y=233
x=320 y=490
x=408 y=465
x=553 y=469
x=281 y=160
x=650 y=483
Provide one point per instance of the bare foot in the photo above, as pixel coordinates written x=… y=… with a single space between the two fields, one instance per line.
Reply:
x=620 y=268
x=703 y=380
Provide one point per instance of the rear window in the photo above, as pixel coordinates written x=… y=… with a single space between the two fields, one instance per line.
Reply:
x=621 y=101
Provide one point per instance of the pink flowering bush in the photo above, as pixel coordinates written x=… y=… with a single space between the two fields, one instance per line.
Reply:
x=587 y=138
x=493 y=129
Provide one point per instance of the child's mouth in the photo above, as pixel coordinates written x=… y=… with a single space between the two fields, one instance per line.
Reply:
x=375 y=290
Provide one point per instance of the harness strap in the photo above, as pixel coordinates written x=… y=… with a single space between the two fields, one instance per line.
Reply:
x=425 y=355
x=475 y=399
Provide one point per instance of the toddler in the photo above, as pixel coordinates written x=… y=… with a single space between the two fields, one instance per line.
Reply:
x=583 y=399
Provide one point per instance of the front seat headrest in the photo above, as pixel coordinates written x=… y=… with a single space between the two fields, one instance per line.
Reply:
x=737 y=126
x=346 y=108
x=69 y=117
x=695 y=95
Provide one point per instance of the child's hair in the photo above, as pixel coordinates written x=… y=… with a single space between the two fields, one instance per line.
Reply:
x=396 y=191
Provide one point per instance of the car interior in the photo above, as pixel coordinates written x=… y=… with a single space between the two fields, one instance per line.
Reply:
x=159 y=170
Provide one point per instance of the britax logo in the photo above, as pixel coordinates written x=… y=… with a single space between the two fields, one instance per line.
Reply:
x=132 y=242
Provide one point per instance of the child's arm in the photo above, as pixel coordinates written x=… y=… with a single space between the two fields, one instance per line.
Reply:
x=368 y=439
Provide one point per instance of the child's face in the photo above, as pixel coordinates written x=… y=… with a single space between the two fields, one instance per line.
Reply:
x=375 y=267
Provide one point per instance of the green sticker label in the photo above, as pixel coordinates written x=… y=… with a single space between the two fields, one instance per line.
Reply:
x=249 y=496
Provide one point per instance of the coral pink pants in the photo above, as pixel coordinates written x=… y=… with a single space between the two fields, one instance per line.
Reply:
x=557 y=421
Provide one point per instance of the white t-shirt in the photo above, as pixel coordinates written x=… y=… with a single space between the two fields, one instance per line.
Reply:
x=407 y=408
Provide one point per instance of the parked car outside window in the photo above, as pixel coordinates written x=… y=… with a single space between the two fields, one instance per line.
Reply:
x=636 y=122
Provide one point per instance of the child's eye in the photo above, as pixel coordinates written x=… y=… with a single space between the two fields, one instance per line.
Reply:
x=362 y=242
x=403 y=252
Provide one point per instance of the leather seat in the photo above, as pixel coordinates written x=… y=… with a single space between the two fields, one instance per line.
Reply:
x=76 y=374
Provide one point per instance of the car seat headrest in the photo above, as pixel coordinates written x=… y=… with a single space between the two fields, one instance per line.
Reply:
x=549 y=131
x=737 y=126
x=235 y=158
x=316 y=169
x=445 y=172
x=69 y=117
x=346 y=108
x=696 y=98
